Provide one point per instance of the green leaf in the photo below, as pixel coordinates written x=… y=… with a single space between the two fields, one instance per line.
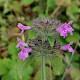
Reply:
x=51 y=40
x=58 y=66
x=38 y=74
x=28 y=1
x=3 y=29
x=12 y=49
x=23 y=69
x=15 y=72
x=3 y=69
x=73 y=9
x=31 y=34
x=7 y=63
x=75 y=73
x=36 y=62
x=7 y=77
x=4 y=37
x=36 y=8
x=6 y=7
x=75 y=64
x=26 y=72
x=75 y=37
x=72 y=12
x=51 y=3
x=41 y=15
x=76 y=57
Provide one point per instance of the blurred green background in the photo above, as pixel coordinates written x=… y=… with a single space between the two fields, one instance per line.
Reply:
x=25 y=11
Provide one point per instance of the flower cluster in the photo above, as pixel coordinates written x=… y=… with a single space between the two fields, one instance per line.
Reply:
x=68 y=47
x=48 y=28
x=24 y=51
x=22 y=27
x=64 y=29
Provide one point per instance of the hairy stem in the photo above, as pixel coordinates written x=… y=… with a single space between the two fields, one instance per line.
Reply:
x=43 y=68
x=23 y=38
x=50 y=69
x=47 y=8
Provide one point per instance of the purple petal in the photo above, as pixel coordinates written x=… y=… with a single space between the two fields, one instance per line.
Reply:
x=64 y=34
x=70 y=49
x=19 y=40
x=28 y=50
x=28 y=27
x=20 y=26
x=21 y=43
x=65 y=28
x=22 y=31
x=57 y=29
x=23 y=54
x=25 y=44
x=70 y=22
x=70 y=43
x=64 y=47
x=62 y=30
x=70 y=29
x=17 y=46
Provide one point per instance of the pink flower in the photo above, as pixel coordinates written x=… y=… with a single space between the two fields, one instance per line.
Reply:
x=24 y=53
x=21 y=43
x=68 y=47
x=64 y=29
x=70 y=29
x=22 y=27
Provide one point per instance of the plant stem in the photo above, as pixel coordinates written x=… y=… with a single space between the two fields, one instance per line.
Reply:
x=23 y=38
x=42 y=5
x=55 y=11
x=67 y=68
x=50 y=69
x=47 y=8
x=43 y=68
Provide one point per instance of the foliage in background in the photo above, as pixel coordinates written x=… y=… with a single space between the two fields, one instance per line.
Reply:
x=25 y=11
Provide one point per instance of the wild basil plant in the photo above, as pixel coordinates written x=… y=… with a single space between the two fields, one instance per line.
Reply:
x=46 y=43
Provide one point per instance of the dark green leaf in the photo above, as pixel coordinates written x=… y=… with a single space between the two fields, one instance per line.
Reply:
x=75 y=37
x=51 y=40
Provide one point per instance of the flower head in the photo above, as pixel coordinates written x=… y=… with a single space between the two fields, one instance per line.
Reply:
x=21 y=43
x=24 y=53
x=22 y=27
x=64 y=29
x=68 y=47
